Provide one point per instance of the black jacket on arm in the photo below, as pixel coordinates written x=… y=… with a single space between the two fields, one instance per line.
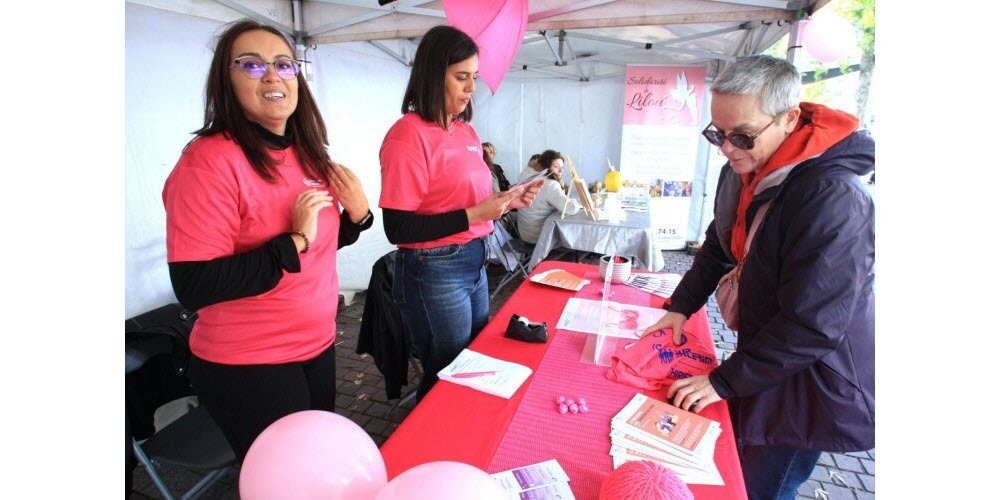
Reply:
x=803 y=374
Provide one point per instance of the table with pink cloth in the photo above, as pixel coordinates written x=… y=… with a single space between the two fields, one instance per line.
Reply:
x=460 y=424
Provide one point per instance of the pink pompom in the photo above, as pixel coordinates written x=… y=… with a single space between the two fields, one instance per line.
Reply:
x=644 y=480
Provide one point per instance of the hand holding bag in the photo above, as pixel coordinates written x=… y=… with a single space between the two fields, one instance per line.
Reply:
x=728 y=293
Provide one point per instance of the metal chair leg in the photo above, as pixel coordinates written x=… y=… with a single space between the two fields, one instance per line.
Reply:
x=151 y=470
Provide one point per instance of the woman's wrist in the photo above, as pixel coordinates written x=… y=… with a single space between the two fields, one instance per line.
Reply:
x=361 y=218
x=300 y=240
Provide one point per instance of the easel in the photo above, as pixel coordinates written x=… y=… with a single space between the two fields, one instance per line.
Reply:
x=581 y=190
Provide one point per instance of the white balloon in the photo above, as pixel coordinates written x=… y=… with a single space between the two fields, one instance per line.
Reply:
x=828 y=37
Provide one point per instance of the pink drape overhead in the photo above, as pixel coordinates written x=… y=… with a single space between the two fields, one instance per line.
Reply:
x=497 y=26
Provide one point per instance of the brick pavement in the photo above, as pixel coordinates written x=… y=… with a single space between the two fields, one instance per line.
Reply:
x=361 y=397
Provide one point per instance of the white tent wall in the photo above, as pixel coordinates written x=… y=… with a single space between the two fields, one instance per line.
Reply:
x=359 y=90
x=582 y=120
x=167 y=55
x=166 y=59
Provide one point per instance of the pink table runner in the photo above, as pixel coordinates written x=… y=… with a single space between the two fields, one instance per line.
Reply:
x=581 y=442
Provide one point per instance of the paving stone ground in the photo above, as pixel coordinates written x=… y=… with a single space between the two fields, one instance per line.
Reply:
x=361 y=397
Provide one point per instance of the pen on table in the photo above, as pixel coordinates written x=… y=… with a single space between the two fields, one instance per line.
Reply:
x=472 y=374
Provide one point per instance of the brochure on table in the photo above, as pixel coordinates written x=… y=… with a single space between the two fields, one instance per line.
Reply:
x=658 y=284
x=648 y=429
x=544 y=480
x=560 y=279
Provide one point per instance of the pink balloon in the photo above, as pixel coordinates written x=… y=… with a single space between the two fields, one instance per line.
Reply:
x=828 y=37
x=442 y=481
x=497 y=26
x=313 y=455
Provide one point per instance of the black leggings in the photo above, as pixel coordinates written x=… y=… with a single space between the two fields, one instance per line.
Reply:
x=245 y=399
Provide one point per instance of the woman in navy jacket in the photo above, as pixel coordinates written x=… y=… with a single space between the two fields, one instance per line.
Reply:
x=802 y=379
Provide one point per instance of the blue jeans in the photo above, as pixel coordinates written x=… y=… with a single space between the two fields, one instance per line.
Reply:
x=443 y=297
x=775 y=472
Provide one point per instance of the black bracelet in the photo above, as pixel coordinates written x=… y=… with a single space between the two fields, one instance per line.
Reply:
x=304 y=237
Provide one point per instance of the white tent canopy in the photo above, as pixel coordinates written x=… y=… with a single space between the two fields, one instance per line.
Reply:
x=564 y=91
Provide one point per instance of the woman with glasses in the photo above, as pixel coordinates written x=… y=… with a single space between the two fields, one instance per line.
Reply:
x=252 y=238
x=438 y=202
x=551 y=199
x=792 y=251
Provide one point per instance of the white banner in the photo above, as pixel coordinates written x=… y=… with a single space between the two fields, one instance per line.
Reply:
x=660 y=143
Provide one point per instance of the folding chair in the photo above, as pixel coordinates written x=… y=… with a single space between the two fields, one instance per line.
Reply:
x=509 y=250
x=192 y=441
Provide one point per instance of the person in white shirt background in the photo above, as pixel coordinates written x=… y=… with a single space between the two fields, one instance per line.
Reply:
x=550 y=199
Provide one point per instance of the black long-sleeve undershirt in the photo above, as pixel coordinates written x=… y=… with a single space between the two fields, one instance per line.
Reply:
x=202 y=283
x=402 y=226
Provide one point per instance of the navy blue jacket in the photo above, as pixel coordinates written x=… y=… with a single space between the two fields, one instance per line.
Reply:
x=803 y=374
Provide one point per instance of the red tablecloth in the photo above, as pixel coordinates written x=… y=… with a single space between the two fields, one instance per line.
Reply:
x=460 y=424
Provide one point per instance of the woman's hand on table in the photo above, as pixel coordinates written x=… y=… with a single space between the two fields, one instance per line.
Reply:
x=693 y=393
x=527 y=196
x=492 y=208
x=348 y=188
x=671 y=320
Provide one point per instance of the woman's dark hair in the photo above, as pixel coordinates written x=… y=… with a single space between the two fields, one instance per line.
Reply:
x=223 y=114
x=440 y=47
x=548 y=156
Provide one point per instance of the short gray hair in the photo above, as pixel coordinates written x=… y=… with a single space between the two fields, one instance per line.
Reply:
x=775 y=80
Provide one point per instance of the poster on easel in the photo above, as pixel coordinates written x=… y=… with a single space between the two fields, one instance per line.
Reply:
x=660 y=134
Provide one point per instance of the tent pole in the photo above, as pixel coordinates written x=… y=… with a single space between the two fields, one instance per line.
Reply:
x=793 y=42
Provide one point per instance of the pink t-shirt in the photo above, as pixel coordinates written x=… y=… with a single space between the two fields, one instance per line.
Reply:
x=429 y=170
x=218 y=206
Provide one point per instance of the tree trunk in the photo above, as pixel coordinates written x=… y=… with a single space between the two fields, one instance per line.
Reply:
x=864 y=83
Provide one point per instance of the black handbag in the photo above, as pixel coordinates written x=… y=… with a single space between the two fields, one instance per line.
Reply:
x=524 y=331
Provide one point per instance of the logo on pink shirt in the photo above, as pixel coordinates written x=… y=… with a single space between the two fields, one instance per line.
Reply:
x=312 y=182
x=474 y=149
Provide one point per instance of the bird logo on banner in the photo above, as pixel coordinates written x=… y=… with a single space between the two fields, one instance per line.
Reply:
x=685 y=96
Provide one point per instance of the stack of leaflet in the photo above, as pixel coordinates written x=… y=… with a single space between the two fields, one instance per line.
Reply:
x=662 y=285
x=541 y=481
x=647 y=429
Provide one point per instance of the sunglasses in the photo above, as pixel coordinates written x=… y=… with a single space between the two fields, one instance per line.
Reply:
x=742 y=141
x=255 y=67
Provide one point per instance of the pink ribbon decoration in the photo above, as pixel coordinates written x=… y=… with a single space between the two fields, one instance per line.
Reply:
x=497 y=27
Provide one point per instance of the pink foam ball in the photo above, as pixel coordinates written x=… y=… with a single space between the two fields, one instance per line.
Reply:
x=644 y=480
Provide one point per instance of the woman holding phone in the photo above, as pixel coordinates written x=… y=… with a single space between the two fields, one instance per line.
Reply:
x=438 y=202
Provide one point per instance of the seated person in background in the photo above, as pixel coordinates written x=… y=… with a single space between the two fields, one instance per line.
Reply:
x=550 y=199
x=500 y=182
x=532 y=169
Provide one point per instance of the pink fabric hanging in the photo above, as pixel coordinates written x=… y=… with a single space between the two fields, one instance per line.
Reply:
x=497 y=26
